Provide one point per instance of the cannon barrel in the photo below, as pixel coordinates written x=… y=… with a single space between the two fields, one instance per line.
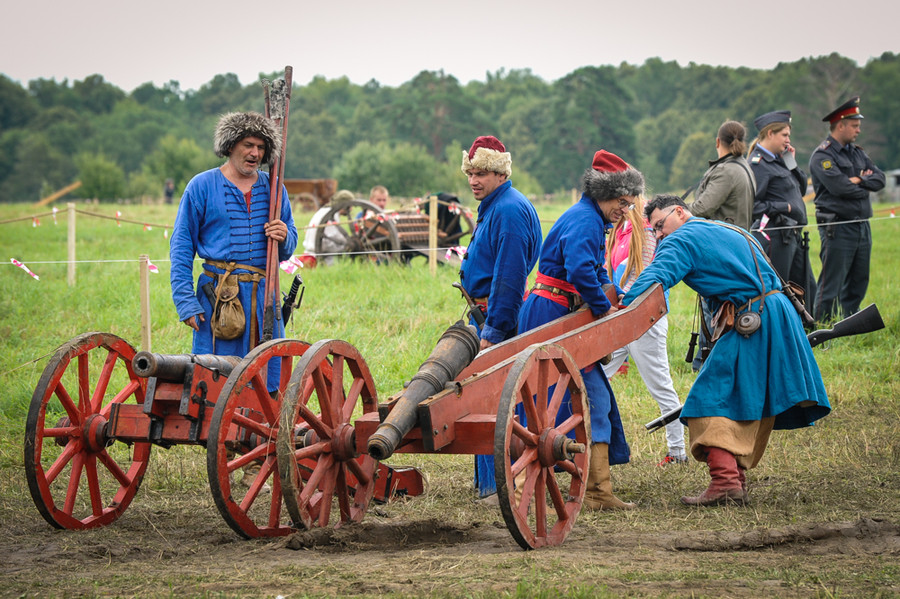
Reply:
x=454 y=351
x=173 y=367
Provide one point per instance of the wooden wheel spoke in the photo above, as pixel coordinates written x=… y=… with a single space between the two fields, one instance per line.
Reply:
x=570 y=423
x=84 y=384
x=287 y=369
x=253 y=455
x=543 y=388
x=570 y=467
x=323 y=393
x=352 y=395
x=530 y=438
x=335 y=399
x=322 y=466
x=260 y=428
x=93 y=484
x=63 y=431
x=64 y=458
x=363 y=477
x=268 y=405
x=328 y=485
x=556 y=497
x=275 y=505
x=68 y=405
x=120 y=397
x=74 y=481
x=103 y=382
x=540 y=504
x=265 y=471
x=114 y=469
x=314 y=450
x=312 y=419
x=531 y=411
x=559 y=393
x=343 y=495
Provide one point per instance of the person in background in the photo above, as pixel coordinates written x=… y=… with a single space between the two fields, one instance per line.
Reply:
x=725 y=193
x=728 y=187
x=503 y=250
x=843 y=176
x=332 y=240
x=379 y=196
x=632 y=244
x=571 y=273
x=754 y=381
x=778 y=211
x=169 y=190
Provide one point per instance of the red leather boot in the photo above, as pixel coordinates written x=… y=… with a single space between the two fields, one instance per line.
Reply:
x=725 y=486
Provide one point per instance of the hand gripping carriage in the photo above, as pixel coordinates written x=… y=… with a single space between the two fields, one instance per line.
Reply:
x=100 y=406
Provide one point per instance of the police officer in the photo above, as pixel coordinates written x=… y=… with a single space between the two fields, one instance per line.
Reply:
x=842 y=176
x=778 y=210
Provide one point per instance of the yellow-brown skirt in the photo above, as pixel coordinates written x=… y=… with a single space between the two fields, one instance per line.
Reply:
x=747 y=440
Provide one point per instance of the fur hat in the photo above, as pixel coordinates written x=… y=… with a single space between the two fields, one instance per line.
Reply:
x=235 y=126
x=487 y=153
x=610 y=177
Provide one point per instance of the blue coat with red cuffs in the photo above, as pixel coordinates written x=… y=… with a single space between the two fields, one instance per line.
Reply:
x=575 y=252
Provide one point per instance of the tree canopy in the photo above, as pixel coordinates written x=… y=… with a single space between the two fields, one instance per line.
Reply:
x=659 y=116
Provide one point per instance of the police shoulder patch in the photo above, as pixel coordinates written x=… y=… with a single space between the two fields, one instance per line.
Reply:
x=826 y=164
x=756 y=159
x=825 y=144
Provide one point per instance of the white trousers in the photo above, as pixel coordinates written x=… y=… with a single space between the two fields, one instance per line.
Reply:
x=652 y=360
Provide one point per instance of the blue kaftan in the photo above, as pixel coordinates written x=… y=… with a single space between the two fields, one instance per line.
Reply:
x=214 y=223
x=575 y=251
x=750 y=378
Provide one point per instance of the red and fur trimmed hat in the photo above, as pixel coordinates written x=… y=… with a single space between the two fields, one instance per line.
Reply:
x=235 y=126
x=487 y=153
x=610 y=177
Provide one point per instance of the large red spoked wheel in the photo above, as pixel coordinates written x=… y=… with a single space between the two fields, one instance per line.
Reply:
x=324 y=480
x=76 y=477
x=549 y=468
x=240 y=459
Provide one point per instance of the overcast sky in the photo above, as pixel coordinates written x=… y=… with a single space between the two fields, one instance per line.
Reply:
x=191 y=41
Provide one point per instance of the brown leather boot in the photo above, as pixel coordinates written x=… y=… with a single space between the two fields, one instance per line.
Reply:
x=599 y=495
x=725 y=486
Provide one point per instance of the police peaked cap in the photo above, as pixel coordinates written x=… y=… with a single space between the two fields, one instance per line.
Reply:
x=779 y=116
x=847 y=110
x=235 y=126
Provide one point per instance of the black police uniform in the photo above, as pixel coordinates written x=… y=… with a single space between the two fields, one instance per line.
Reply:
x=846 y=247
x=777 y=189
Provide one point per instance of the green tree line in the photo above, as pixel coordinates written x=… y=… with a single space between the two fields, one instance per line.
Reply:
x=660 y=116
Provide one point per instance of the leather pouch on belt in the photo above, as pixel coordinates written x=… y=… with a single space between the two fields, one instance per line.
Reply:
x=228 y=320
x=722 y=321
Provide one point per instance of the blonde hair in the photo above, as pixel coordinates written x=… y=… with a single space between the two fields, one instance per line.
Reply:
x=635 y=263
x=764 y=132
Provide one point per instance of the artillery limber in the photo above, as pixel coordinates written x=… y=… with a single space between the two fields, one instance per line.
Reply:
x=315 y=443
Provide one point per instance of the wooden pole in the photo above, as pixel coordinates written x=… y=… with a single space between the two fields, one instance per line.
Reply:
x=144 y=262
x=432 y=234
x=70 y=277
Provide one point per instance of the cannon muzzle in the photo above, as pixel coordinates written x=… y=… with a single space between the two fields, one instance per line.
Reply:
x=173 y=367
x=455 y=350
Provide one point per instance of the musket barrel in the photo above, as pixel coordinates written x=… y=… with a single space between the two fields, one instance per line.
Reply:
x=454 y=351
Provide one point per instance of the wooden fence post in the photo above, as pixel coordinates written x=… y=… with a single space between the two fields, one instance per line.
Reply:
x=144 y=261
x=70 y=276
x=432 y=234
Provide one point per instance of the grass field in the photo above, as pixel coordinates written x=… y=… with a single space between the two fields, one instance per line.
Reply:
x=842 y=470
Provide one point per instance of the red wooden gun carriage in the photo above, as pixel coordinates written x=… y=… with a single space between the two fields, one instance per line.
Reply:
x=100 y=406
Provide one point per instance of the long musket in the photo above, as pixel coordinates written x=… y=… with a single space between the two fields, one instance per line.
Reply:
x=864 y=321
x=278 y=103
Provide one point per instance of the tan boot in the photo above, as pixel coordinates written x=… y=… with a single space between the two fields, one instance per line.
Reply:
x=599 y=495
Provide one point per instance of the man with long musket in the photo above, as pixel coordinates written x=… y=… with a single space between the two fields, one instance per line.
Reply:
x=224 y=219
x=843 y=176
x=761 y=374
x=504 y=248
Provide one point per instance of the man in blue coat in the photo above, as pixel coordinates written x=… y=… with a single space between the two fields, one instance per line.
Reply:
x=503 y=250
x=753 y=381
x=224 y=219
x=571 y=274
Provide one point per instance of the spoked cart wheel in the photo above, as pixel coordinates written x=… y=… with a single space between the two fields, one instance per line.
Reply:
x=358 y=229
x=324 y=480
x=240 y=458
x=549 y=467
x=78 y=479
